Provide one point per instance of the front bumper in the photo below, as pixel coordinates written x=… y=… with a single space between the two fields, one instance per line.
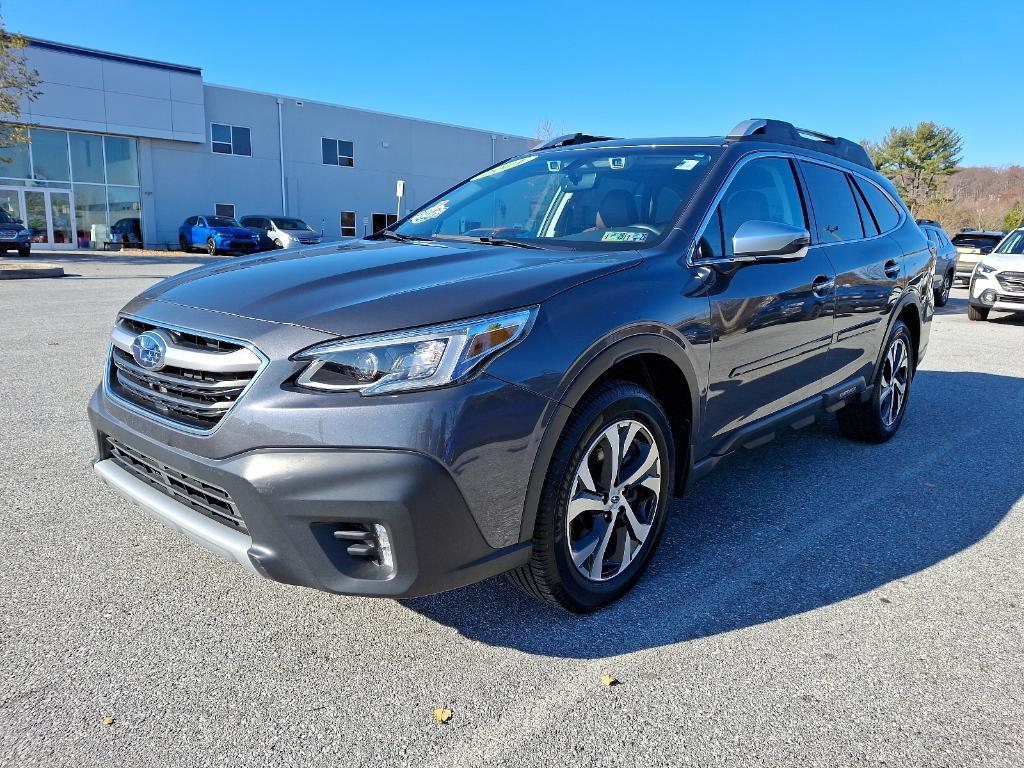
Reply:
x=293 y=500
x=987 y=292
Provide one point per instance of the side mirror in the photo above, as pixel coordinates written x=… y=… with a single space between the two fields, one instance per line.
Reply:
x=770 y=241
x=18 y=221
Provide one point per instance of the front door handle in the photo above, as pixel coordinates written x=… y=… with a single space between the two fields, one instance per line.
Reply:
x=822 y=285
x=892 y=268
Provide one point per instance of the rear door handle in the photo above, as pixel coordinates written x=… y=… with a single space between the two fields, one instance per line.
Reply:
x=822 y=285
x=892 y=268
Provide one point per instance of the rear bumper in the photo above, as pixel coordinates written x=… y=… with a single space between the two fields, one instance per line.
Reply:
x=293 y=500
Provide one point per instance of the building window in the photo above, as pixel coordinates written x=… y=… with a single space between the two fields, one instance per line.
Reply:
x=230 y=140
x=348 y=223
x=226 y=210
x=382 y=220
x=337 y=152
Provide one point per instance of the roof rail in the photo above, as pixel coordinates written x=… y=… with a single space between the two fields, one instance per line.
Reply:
x=761 y=129
x=569 y=140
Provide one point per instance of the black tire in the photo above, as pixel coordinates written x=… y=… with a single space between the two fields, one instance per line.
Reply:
x=211 y=246
x=869 y=422
x=977 y=313
x=278 y=245
x=24 y=252
x=185 y=245
x=942 y=295
x=551 y=575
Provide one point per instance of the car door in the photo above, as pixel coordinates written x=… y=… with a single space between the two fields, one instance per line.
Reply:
x=868 y=263
x=199 y=231
x=771 y=320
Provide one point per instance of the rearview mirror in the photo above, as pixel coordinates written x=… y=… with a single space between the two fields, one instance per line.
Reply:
x=770 y=241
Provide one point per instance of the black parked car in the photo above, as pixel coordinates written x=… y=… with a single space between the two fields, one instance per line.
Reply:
x=426 y=407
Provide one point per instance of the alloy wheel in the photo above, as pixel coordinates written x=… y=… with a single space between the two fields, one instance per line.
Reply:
x=614 y=499
x=947 y=284
x=894 y=382
x=211 y=247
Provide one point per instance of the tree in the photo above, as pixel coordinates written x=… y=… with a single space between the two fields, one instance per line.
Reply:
x=17 y=81
x=1015 y=218
x=917 y=159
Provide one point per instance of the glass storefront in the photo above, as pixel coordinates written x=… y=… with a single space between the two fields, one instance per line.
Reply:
x=74 y=189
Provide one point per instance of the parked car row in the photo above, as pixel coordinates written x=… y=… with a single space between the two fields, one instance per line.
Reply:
x=223 y=234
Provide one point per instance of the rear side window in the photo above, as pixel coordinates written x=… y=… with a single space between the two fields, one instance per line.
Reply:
x=886 y=214
x=763 y=190
x=866 y=219
x=835 y=210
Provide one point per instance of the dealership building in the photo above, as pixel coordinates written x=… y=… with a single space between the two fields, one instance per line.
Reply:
x=123 y=149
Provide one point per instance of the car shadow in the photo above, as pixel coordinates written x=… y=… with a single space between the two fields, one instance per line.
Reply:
x=954 y=306
x=801 y=524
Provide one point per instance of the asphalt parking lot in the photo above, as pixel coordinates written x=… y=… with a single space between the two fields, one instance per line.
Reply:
x=815 y=602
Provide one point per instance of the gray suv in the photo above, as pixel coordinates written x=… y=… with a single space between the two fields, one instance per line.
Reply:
x=519 y=376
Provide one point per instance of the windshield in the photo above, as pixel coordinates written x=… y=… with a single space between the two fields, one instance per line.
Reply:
x=291 y=224
x=221 y=221
x=5 y=217
x=987 y=242
x=599 y=198
x=1014 y=243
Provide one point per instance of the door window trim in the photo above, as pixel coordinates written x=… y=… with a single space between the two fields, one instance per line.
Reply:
x=756 y=155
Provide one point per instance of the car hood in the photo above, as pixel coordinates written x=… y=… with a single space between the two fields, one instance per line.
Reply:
x=366 y=287
x=301 y=233
x=233 y=231
x=1004 y=261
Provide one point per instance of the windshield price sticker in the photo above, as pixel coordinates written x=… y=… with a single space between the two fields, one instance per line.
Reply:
x=430 y=213
x=687 y=165
x=623 y=237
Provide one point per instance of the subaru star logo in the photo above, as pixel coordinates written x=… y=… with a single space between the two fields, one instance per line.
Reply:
x=149 y=349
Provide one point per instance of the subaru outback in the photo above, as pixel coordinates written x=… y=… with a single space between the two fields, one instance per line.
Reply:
x=519 y=375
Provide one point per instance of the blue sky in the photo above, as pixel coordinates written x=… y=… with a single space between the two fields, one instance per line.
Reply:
x=625 y=69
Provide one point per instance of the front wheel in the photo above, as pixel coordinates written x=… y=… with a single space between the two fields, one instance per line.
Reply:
x=977 y=313
x=211 y=247
x=604 y=502
x=942 y=295
x=24 y=252
x=880 y=417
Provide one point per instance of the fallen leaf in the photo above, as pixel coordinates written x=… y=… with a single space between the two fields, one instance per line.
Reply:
x=108 y=720
x=442 y=715
x=609 y=680
x=885 y=600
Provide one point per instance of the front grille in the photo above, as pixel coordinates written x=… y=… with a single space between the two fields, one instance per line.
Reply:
x=1011 y=299
x=207 y=499
x=1011 y=281
x=8 y=234
x=201 y=379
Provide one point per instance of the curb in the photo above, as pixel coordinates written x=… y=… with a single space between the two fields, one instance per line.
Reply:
x=20 y=270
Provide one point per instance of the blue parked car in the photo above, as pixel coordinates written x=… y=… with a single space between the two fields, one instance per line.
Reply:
x=216 y=234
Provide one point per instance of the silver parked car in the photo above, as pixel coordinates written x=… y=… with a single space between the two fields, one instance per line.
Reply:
x=281 y=231
x=945 y=259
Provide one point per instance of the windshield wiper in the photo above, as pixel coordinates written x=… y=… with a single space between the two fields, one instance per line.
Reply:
x=392 y=235
x=485 y=240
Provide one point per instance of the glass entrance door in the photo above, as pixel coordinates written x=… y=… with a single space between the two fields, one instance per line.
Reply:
x=47 y=212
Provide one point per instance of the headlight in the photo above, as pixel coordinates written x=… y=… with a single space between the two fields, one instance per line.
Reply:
x=984 y=269
x=396 y=362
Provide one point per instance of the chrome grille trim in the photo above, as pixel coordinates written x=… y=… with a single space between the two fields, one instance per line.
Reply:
x=204 y=375
x=1011 y=281
x=203 y=497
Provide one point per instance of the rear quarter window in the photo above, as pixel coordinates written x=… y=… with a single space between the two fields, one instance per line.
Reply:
x=887 y=216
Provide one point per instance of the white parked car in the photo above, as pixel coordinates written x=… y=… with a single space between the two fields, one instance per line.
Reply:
x=282 y=231
x=998 y=280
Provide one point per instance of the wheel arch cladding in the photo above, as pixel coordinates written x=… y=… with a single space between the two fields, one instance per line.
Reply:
x=655 y=363
x=911 y=317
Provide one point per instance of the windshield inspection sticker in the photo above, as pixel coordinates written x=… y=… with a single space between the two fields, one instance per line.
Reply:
x=514 y=163
x=623 y=237
x=687 y=165
x=430 y=213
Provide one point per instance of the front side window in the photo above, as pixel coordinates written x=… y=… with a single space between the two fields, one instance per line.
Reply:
x=763 y=190
x=348 y=223
x=230 y=139
x=835 y=211
x=593 y=198
x=337 y=152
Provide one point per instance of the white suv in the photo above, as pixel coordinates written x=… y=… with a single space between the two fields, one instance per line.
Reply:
x=998 y=280
x=282 y=231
